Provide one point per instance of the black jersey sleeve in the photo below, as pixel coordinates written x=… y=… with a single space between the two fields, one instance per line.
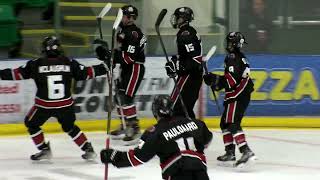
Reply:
x=207 y=134
x=20 y=73
x=141 y=154
x=190 y=51
x=81 y=72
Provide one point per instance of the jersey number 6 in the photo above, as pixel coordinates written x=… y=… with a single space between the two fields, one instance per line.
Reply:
x=55 y=90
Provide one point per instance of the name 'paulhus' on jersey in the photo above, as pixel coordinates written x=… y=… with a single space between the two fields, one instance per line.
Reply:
x=54 y=68
x=180 y=129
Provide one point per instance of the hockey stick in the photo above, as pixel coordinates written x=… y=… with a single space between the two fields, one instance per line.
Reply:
x=104 y=11
x=99 y=18
x=204 y=64
x=114 y=29
x=157 y=25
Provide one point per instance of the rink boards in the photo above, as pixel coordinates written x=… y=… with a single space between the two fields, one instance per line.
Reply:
x=286 y=94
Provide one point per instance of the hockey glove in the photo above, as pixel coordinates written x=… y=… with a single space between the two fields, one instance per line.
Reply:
x=246 y=72
x=171 y=69
x=103 y=54
x=210 y=79
x=174 y=58
x=107 y=155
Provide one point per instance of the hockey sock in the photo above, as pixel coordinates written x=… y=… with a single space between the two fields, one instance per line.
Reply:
x=78 y=136
x=227 y=139
x=240 y=139
x=130 y=112
x=38 y=138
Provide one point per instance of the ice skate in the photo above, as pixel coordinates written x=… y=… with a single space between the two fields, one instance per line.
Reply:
x=44 y=154
x=132 y=135
x=227 y=160
x=118 y=133
x=89 y=154
x=247 y=159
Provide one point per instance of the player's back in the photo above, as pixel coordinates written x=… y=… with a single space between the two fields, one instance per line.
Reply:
x=53 y=78
x=182 y=140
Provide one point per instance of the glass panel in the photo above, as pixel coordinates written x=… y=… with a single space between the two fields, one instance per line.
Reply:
x=270 y=26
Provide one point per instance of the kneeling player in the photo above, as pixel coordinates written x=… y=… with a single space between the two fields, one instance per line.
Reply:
x=178 y=142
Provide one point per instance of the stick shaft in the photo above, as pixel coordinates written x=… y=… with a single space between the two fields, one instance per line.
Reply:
x=158 y=22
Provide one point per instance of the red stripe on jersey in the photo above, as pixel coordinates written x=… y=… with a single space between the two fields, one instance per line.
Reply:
x=194 y=154
x=90 y=73
x=53 y=104
x=238 y=90
x=133 y=80
x=17 y=74
x=127 y=59
x=81 y=139
x=182 y=80
x=231 y=112
x=198 y=59
x=230 y=80
x=133 y=159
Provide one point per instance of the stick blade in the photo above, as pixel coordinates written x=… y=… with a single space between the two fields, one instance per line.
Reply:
x=104 y=11
x=210 y=53
x=160 y=17
x=118 y=19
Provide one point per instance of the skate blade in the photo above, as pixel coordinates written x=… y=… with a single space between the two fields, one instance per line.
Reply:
x=92 y=158
x=132 y=142
x=248 y=165
x=45 y=160
x=118 y=137
x=226 y=163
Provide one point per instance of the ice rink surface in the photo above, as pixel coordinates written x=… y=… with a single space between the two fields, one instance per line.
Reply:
x=282 y=155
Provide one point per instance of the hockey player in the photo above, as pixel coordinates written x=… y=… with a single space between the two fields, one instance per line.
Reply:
x=178 y=142
x=238 y=88
x=187 y=64
x=53 y=74
x=130 y=55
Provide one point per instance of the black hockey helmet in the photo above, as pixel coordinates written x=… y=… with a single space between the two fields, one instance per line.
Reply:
x=130 y=10
x=235 y=40
x=161 y=106
x=51 y=46
x=186 y=15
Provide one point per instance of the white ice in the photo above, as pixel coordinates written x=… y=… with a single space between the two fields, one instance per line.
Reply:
x=282 y=155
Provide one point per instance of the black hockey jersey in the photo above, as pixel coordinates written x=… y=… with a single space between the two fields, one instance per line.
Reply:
x=190 y=50
x=131 y=42
x=53 y=78
x=179 y=143
x=237 y=81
